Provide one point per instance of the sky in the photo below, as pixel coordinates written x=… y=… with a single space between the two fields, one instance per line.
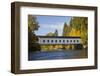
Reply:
x=51 y=23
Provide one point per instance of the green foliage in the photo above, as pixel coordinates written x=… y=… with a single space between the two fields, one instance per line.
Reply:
x=53 y=34
x=66 y=30
x=78 y=27
x=32 y=26
x=32 y=38
x=76 y=22
x=56 y=33
x=32 y=23
x=50 y=34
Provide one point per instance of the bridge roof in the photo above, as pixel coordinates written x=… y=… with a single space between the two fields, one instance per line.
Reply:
x=59 y=37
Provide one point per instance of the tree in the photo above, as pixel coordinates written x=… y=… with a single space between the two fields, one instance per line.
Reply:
x=56 y=33
x=32 y=23
x=78 y=27
x=74 y=32
x=50 y=34
x=76 y=22
x=81 y=24
x=32 y=26
x=32 y=38
x=84 y=31
x=66 y=30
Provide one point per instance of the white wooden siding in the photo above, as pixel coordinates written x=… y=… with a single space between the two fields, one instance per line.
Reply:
x=41 y=41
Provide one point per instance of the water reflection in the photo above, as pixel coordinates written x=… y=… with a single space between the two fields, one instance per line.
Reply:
x=61 y=54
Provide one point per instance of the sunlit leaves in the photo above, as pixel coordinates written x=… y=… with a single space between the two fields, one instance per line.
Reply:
x=32 y=23
x=78 y=27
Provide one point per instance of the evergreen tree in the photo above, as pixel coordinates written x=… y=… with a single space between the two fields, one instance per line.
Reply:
x=65 y=29
x=78 y=27
x=56 y=32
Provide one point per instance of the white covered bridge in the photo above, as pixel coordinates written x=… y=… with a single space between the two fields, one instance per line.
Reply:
x=58 y=40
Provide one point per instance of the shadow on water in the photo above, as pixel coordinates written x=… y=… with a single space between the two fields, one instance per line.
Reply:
x=62 y=54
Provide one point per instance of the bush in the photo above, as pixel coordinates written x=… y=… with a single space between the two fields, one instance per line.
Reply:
x=35 y=47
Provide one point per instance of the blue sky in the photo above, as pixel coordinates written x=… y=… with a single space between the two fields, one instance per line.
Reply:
x=51 y=23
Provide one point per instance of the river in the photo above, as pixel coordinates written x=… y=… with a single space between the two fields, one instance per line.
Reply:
x=62 y=54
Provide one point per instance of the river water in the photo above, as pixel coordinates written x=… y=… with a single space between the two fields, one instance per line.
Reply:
x=62 y=54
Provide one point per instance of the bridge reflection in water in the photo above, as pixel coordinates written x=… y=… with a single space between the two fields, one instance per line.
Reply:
x=62 y=54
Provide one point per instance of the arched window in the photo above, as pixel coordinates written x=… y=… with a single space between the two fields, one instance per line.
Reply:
x=73 y=40
x=59 y=40
x=43 y=41
x=56 y=41
x=63 y=40
x=52 y=41
x=67 y=40
x=77 y=40
x=47 y=40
